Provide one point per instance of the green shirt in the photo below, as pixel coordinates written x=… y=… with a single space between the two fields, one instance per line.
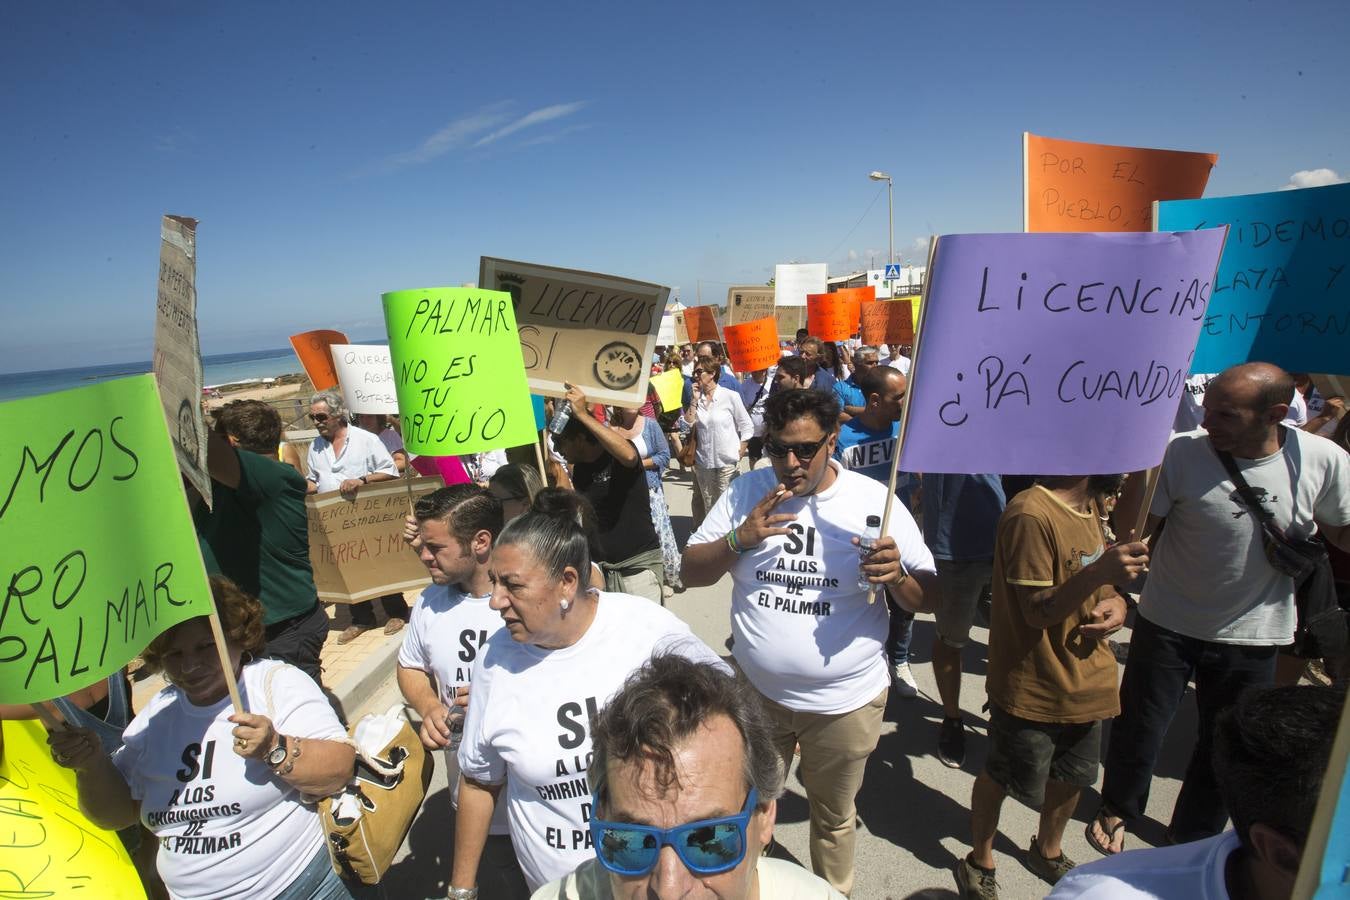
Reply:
x=259 y=535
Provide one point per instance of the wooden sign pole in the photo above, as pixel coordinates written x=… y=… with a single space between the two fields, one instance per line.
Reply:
x=904 y=417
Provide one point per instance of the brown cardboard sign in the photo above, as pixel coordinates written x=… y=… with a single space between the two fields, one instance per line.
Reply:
x=595 y=331
x=356 y=546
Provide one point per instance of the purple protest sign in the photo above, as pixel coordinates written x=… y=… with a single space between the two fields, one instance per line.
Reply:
x=1055 y=354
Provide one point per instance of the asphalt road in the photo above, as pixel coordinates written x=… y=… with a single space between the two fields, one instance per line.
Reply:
x=913 y=811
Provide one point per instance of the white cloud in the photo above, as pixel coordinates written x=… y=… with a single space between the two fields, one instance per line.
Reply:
x=538 y=116
x=455 y=134
x=1307 y=178
x=852 y=255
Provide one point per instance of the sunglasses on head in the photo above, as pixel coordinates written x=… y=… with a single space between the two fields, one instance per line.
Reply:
x=706 y=847
x=803 y=452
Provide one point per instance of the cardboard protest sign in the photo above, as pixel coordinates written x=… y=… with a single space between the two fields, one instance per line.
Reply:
x=100 y=553
x=357 y=547
x=792 y=282
x=789 y=319
x=314 y=350
x=178 y=352
x=748 y=302
x=457 y=370
x=1055 y=353
x=366 y=377
x=701 y=323
x=1073 y=186
x=669 y=386
x=49 y=848
x=681 y=331
x=1283 y=293
x=834 y=316
x=752 y=346
x=595 y=331
x=889 y=322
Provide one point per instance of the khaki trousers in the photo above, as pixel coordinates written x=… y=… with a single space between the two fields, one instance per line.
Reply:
x=834 y=754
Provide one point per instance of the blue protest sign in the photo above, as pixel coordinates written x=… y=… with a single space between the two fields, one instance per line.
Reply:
x=1282 y=295
x=539 y=420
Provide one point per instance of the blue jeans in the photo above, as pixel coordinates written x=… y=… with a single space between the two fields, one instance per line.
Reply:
x=318 y=881
x=1160 y=664
x=899 y=633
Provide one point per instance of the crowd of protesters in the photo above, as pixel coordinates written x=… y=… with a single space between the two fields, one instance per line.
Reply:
x=599 y=749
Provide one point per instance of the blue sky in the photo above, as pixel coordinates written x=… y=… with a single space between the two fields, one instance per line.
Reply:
x=334 y=151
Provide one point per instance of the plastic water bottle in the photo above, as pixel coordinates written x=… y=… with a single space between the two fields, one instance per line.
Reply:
x=867 y=542
x=562 y=413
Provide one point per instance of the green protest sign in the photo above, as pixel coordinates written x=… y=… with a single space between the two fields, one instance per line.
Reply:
x=458 y=370
x=99 y=550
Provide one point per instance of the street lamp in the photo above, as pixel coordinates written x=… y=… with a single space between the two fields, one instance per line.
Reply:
x=890 y=209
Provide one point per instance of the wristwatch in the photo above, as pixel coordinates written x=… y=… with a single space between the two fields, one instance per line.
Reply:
x=462 y=893
x=277 y=755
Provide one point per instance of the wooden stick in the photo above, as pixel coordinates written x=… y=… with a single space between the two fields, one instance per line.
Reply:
x=1150 y=486
x=904 y=417
x=49 y=719
x=225 y=665
x=1316 y=870
x=539 y=457
x=407 y=481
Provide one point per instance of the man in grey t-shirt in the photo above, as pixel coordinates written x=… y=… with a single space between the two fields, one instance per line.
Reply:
x=1213 y=607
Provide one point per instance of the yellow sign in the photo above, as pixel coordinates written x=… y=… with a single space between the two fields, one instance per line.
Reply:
x=47 y=847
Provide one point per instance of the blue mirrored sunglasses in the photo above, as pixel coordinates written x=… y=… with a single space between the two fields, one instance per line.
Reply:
x=707 y=847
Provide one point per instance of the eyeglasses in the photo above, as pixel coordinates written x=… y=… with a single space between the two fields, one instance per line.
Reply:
x=319 y=417
x=803 y=452
x=706 y=847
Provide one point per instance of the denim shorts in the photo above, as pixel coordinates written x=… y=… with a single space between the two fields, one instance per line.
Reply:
x=1023 y=754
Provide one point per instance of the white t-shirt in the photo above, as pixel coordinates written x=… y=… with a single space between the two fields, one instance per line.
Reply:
x=1209 y=577
x=898 y=362
x=778 y=880
x=446 y=631
x=1192 y=871
x=227 y=826
x=362 y=454
x=805 y=634
x=529 y=723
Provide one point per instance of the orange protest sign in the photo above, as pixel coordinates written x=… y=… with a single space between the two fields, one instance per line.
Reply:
x=312 y=348
x=834 y=317
x=701 y=324
x=1073 y=186
x=888 y=322
x=752 y=346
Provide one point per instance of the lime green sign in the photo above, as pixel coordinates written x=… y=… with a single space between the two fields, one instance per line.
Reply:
x=99 y=550
x=458 y=371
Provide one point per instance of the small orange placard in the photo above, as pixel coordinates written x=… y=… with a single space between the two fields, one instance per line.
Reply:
x=701 y=324
x=888 y=322
x=834 y=316
x=752 y=346
x=312 y=348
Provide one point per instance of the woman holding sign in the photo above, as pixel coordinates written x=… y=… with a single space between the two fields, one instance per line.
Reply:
x=564 y=652
x=724 y=429
x=222 y=790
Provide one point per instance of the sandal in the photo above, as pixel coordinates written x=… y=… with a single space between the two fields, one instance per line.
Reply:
x=1100 y=821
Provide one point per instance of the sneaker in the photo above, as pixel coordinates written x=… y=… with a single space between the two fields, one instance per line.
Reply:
x=952 y=743
x=902 y=680
x=975 y=883
x=351 y=633
x=1050 y=870
x=394 y=625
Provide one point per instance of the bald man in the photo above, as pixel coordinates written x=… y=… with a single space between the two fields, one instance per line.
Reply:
x=1214 y=609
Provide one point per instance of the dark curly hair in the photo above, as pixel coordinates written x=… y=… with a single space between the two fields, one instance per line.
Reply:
x=241 y=619
x=788 y=406
x=254 y=424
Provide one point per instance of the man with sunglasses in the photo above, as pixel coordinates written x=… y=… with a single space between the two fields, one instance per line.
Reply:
x=686 y=778
x=805 y=634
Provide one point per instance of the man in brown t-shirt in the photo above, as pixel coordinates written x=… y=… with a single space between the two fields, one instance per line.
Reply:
x=1052 y=677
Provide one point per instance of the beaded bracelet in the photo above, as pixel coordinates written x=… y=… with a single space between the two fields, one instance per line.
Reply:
x=731 y=542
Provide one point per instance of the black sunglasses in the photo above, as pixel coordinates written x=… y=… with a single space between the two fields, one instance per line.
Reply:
x=803 y=452
x=319 y=417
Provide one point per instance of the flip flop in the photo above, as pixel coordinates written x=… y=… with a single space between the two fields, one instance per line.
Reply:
x=1100 y=820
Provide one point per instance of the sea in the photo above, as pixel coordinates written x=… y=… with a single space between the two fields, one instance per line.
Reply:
x=222 y=368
